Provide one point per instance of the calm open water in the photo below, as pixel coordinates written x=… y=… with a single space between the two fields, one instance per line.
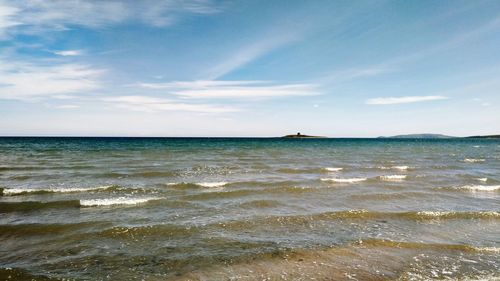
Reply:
x=249 y=209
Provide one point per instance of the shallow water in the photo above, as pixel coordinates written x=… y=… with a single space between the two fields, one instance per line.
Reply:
x=249 y=209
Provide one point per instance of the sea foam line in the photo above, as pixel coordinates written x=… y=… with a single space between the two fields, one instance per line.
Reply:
x=348 y=180
x=472 y=160
x=16 y=191
x=393 y=177
x=333 y=169
x=211 y=184
x=115 y=201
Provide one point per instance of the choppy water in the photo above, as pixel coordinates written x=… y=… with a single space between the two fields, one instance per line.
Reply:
x=249 y=209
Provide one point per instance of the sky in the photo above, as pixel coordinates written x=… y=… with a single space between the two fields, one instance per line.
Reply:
x=249 y=68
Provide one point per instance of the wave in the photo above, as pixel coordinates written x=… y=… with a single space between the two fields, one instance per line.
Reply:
x=482 y=179
x=309 y=170
x=22 y=191
x=419 y=245
x=196 y=185
x=26 y=206
x=260 y=204
x=164 y=230
x=115 y=201
x=34 y=229
x=390 y=196
x=481 y=187
x=332 y=169
x=361 y=215
x=401 y=168
x=211 y=184
x=472 y=160
x=345 y=180
x=474 y=188
x=393 y=177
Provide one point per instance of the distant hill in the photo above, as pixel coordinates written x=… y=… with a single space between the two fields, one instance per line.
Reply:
x=486 y=137
x=420 y=136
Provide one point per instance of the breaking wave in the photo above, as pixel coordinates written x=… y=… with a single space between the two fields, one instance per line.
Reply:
x=346 y=180
x=21 y=191
x=115 y=201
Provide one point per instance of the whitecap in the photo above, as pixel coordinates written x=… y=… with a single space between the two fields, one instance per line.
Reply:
x=333 y=169
x=212 y=184
x=393 y=177
x=349 y=180
x=14 y=191
x=472 y=160
x=115 y=201
x=402 y=168
x=434 y=213
x=482 y=179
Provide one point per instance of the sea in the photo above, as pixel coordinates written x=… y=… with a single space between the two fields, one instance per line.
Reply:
x=249 y=209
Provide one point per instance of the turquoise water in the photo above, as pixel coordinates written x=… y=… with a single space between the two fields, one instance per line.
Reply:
x=249 y=209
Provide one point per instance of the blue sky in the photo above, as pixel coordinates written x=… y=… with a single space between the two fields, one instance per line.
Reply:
x=249 y=68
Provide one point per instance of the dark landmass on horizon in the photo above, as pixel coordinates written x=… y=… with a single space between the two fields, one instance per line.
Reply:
x=419 y=136
x=486 y=137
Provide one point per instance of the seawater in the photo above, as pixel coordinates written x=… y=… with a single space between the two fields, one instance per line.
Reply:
x=249 y=209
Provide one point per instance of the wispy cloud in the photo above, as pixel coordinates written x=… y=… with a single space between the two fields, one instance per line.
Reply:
x=216 y=89
x=153 y=104
x=401 y=100
x=67 y=106
x=250 y=53
x=63 y=14
x=7 y=18
x=25 y=81
x=395 y=63
x=68 y=53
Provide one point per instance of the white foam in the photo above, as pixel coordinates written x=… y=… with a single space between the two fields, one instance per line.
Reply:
x=13 y=191
x=472 y=160
x=402 y=168
x=115 y=201
x=350 y=180
x=433 y=213
x=212 y=184
x=480 y=187
x=482 y=179
x=393 y=177
x=332 y=169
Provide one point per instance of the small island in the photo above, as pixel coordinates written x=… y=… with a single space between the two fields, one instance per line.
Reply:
x=301 y=136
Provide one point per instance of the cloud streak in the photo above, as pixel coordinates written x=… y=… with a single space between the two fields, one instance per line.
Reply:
x=153 y=104
x=68 y=53
x=249 y=53
x=217 y=89
x=403 y=100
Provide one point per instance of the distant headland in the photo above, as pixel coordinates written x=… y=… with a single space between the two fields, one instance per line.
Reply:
x=437 y=136
x=301 y=136
x=420 y=136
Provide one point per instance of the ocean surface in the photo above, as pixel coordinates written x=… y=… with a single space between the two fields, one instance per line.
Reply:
x=249 y=209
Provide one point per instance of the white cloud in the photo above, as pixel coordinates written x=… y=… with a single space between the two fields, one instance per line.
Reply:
x=24 y=81
x=36 y=15
x=214 y=89
x=400 y=100
x=152 y=104
x=67 y=106
x=7 y=18
x=67 y=53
